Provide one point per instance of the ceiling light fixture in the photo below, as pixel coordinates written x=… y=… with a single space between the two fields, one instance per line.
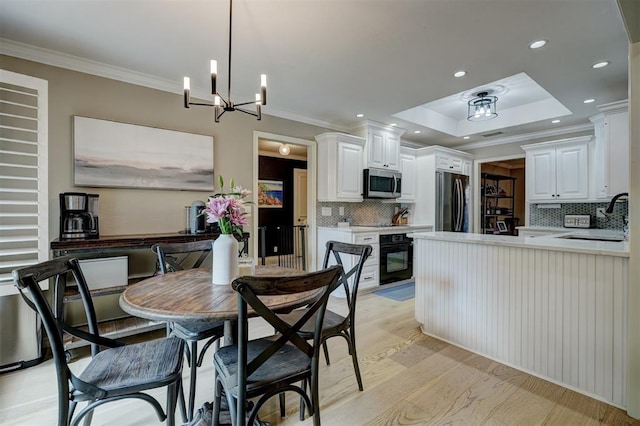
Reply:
x=459 y=74
x=555 y=121
x=360 y=115
x=284 y=149
x=416 y=131
x=393 y=124
x=219 y=108
x=467 y=137
x=537 y=44
x=588 y=101
x=482 y=107
x=600 y=64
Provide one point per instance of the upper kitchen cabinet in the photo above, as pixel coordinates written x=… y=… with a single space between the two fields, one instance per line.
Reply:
x=558 y=171
x=340 y=165
x=383 y=145
x=611 y=150
x=409 y=175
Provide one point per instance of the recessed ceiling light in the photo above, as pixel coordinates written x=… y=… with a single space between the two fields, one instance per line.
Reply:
x=537 y=44
x=555 y=121
x=459 y=74
x=393 y=124
x=416 y=131
x=588 y=101
x=360 y=115
x=466 y=137
x=600 y=64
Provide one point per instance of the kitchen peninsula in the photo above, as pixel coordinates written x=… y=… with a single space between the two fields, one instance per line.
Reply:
x=551 y=306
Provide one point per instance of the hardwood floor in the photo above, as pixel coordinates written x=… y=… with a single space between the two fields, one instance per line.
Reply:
x=409 y=379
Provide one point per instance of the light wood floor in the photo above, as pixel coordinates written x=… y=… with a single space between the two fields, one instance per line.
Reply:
x=409 y=379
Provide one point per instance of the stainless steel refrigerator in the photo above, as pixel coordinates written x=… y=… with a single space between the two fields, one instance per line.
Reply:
x=452 y=202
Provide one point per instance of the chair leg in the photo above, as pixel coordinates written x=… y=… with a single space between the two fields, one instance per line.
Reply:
x=216 y=403
x=351 y=338
x=282 y=404
x=192 y=377
x=172 y=396
x=326 y=352
x=303 y=406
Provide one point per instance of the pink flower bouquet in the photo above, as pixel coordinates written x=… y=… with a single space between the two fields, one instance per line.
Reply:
x=228 y=210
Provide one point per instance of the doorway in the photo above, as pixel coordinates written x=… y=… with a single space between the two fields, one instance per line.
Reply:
x=284 y=230
x=500 y=204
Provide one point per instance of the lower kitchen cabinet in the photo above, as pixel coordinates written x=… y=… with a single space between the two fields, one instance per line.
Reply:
x=370 y=273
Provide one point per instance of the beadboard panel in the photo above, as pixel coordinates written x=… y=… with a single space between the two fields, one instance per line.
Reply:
x=559 y=315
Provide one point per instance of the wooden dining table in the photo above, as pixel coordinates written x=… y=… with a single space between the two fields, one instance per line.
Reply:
x=189 y=295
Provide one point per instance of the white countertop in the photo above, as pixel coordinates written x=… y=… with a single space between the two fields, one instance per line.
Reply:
x=550 y=242
x=379 y=229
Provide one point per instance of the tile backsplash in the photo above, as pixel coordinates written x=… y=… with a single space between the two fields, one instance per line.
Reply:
x=555 y=216
x=368 y=212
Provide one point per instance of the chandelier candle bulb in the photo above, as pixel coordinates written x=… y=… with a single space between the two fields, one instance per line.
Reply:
x=187 y=91
x=263 y=88
x=214 y=76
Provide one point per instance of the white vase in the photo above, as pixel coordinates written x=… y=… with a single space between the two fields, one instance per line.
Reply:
x=225 y=260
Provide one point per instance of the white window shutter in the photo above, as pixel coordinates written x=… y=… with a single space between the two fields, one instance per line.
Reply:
x=24 y=200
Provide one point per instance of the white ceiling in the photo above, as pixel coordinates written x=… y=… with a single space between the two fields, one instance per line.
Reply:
x=327 y=60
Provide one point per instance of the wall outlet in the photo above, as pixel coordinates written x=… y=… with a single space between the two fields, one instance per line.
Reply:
x=326 y=211
x=341 y=211
x=600 y=212
x=275 y=249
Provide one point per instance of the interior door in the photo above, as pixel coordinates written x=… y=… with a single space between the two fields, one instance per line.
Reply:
x=299 y=197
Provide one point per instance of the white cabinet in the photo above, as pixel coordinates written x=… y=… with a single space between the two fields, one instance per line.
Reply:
x=370 y=276
x=409 y=179
x=611 y=150
x=340 y=165
x=558 y=171
x=383 y=145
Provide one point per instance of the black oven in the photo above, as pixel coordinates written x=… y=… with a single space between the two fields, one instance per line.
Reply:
x=396 y=258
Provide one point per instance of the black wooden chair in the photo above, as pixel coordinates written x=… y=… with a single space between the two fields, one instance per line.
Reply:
x=269 y=366
x=336 y=324
x=122 y=371
x=178 y=257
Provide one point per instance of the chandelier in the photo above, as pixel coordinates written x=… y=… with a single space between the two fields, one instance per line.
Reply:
x=482 y=107
x=220 y=104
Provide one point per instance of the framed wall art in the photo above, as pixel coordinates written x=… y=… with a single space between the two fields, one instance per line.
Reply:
x=270 y=194
x=121 y=155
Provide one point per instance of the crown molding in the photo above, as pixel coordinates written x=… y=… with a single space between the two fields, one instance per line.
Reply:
x=528 y=136
x=100 y=69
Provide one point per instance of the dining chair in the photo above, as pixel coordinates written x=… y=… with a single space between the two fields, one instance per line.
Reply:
x=177 y=257
x=335 y=324
x=264 y=367
x=118 y=372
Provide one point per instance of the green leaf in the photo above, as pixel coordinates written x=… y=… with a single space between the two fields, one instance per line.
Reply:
x=221 y=181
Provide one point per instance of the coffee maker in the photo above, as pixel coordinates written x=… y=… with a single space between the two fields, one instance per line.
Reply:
x=76 y=222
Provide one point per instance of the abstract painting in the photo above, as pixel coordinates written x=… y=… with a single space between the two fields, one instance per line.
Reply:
x=270 y=194
x=120 y=155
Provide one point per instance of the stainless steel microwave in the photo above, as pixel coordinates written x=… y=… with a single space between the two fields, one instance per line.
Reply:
x=381 y=184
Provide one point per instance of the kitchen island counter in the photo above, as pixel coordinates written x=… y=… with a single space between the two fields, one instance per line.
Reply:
x=552 y=307
x=556 y=242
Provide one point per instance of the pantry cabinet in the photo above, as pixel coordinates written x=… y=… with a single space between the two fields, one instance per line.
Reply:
x=558 y=171
x=340 y=165
x=409 y=176
x=611 y=150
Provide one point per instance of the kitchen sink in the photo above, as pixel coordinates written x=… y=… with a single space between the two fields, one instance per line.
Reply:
x=592 y=238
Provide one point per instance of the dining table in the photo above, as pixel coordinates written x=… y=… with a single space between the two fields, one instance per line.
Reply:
x=189 y=295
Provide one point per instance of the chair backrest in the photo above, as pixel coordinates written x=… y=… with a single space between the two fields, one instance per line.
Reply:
x=60 y=269
x=360 y=252
x=180 y=256
x=250 y=288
